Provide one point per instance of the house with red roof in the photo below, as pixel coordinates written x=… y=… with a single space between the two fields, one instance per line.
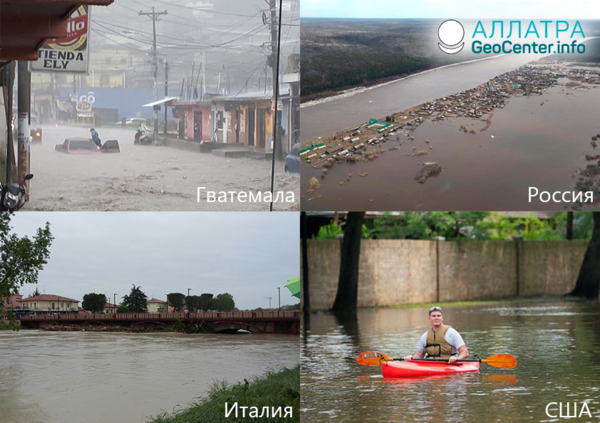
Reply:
x=45 y=304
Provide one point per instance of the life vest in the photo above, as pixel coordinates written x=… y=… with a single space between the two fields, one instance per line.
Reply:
x=437 y=346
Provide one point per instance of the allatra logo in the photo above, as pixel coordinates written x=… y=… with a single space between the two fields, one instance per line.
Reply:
x=451 y=33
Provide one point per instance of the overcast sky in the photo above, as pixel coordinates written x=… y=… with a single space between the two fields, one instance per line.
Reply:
x=246 y=254
x=452 y=9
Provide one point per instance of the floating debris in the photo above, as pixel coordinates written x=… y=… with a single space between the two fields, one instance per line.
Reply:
x=589 y=157
x=313 y=185
x=429 y=169
x=362 y=175
x=420 y=153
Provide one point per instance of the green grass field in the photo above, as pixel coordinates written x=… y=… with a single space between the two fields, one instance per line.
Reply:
x=273 y=390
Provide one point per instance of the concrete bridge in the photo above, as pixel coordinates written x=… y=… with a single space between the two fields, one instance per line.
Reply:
x=283 y=322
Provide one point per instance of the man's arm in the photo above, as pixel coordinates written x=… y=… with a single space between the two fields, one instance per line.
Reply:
x=463 y=353
x=415 y=355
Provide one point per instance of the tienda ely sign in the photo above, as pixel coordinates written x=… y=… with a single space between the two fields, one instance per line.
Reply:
x=69 y=54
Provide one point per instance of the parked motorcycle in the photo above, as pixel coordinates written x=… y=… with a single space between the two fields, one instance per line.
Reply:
x=14 y=195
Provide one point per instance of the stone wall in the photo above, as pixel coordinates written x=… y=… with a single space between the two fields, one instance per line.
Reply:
x=410 y=271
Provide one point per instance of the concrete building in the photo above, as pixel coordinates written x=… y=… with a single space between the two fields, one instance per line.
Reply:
x=110 y=308
x=44 y=304
x=12 y=303
x=156 y=306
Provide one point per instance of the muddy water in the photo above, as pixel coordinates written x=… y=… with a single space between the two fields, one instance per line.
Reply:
x=50 y=377
x=535 y=141
x=146 y=178
x=556 y=346
x=347 y=112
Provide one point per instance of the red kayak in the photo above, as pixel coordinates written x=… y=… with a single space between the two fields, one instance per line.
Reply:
x=414 y=368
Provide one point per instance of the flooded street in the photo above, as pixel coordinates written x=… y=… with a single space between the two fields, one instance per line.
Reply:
x=554 y=344
x=57 y=377
x=148 y=178
x=535 y=141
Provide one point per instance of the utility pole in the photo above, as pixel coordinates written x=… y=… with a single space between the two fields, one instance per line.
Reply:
x=166 y=95
x=275 y=44
x=279 y=295
x=155 y=16
x=269 y=301
x=203 y=75
x=275 y=69
x=24 y=108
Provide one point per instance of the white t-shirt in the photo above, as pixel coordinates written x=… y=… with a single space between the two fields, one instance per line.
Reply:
x=452 y=337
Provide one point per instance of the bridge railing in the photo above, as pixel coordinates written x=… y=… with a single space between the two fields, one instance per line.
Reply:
x=202 y=315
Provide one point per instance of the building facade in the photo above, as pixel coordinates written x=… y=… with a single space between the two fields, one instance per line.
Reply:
x=45 y=304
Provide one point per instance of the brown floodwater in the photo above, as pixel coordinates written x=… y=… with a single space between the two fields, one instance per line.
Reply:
x=556 y=346
x=58 y=377
x=534 y=141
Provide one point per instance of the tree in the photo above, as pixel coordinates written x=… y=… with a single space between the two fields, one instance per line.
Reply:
x=192 y=302
x=34 y=293
x=206 y=302
x=122 y=309
x=588 y=281
x=224 y=302
x=94 y=302
x=136 y=300
x=347 y=293
x=176 y=300
x=21 y=258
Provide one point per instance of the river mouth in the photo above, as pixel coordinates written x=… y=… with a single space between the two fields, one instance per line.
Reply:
x=552 y=342
x=535 y=141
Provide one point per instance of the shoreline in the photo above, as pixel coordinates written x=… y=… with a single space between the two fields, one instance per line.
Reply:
x=349 y=92
x=363 y=143
x=274 y=390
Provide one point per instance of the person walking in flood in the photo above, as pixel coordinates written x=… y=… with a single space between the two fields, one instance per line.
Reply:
x=96 y=138
x=440 y=341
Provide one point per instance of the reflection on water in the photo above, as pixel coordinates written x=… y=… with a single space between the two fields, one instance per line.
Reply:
x=556 y=346
x=60 y=377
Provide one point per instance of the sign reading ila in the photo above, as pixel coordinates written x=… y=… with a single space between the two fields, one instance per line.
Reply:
x=69 y=54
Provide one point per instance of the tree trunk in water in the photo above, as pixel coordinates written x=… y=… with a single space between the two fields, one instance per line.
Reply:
x=346 y=298
x=588 y=282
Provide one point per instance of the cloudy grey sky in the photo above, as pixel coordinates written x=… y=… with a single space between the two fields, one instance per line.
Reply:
x=447 y=9
x=246 y=254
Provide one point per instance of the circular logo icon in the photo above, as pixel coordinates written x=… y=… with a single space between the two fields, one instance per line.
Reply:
x=451 y=34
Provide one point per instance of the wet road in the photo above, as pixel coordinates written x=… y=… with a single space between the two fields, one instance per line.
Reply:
x=555 y=345
x=58 y=377
x=146 y=178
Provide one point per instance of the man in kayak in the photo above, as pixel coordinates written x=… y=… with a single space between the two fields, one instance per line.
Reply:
x=440 y=341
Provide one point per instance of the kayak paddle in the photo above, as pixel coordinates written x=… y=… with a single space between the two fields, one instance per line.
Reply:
x=374 y=358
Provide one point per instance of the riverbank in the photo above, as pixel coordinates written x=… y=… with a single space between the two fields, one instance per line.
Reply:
x=275 y=390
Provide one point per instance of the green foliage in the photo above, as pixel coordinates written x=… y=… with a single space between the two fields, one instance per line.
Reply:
x=223 y=302
x=122 y=309
x=205 y=302
x=94 y=302
x=193 y=302
x=136 y=300
x=274 y=390
x=333 y=230
x=35 y=293
x=479 y=226
x=21 y=258
x=176 y=300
